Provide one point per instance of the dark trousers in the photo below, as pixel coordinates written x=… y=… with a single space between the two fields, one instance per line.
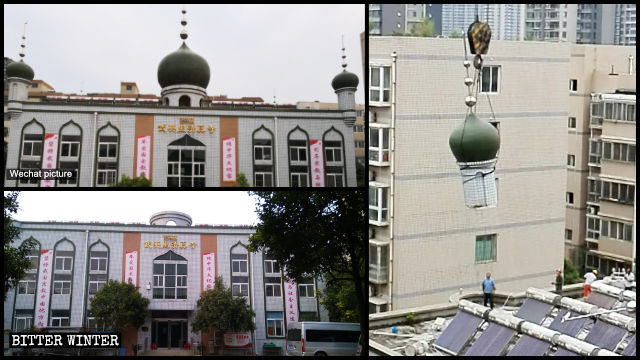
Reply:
x=488 y=296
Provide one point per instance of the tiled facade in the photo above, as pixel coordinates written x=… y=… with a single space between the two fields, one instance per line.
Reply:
x=118 y=238
x=425 y=237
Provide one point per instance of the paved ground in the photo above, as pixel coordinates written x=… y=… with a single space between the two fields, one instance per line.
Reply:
x=172 y=352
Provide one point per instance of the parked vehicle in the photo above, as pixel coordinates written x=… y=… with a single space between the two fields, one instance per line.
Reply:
x=322 y=338
x=359 y=349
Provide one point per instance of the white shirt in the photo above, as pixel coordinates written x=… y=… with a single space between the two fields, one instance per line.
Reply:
x=628 y=279
x=590 y=277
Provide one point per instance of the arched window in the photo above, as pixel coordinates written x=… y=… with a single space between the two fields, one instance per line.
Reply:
x=31 y=151
x=186 y=163
x=184 y=101
x=334 y=169
x=64 y=259
x=298 y=143
x=240 y=271
x=262 y=157
x=70 y=148
x=170 y=276
x=107 y=155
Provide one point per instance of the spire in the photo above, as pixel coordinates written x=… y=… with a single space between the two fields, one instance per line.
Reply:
x=344 y=56
x=183 y=34
x=24 y=34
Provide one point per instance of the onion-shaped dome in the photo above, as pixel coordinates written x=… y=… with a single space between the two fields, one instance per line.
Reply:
x=345 y=80
x=183 y=67
x=474 y=140
x=20 y=69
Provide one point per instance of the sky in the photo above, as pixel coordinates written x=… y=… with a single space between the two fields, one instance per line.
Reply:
x=204 y=207
x=251 y=49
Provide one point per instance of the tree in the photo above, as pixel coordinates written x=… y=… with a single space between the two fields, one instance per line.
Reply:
x=241 y=181
x=118 y=305
x=455 y=34
x=425 y=28
x=217 y=308
x=339 y=299
x=16 y=262
x=571 y=274
x=126 y=181
x=314 y=233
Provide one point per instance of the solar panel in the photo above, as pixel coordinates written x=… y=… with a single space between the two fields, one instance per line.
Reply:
x=564 y=352
x=492 y=341
x=606 y=336
x=601 y=300
x=630 y=350
x=534 y=311
x=459 y=331
x=529 y=346
x=571 y=327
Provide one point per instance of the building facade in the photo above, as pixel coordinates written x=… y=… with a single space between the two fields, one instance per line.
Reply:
x=424 y=243
x=506 y=20
x=625 y=24
x=171 y=265
x=397 y=19
x=598 y=69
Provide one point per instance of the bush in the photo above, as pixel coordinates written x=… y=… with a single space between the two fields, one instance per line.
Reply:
x=571 y=273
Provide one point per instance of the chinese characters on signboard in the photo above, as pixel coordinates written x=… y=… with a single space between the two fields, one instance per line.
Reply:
x=131 y=266
x=291 y=301
x=208 y=271
x=144 y=156
x=188 y=126
x=169 y=245
x=49 y=156
x=237 y=339
x=229 y=159
x=41 y=315
x=317 y=163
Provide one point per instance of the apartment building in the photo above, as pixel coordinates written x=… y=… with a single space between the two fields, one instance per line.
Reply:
x=625 y=24
x=424 y=243
x=600 y=126
x=506 y=20
x=397 y=19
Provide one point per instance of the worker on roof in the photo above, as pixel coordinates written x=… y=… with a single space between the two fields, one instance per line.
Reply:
x=488 y=288
x=589 y=278
x=558 y=282
x=629 y=278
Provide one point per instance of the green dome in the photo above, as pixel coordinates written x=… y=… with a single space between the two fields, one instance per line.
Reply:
x=474 y=140
x=344 y=80
x=20 y=70
x=183 y=66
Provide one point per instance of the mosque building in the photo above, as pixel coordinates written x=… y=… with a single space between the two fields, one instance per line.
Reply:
x=183 y=138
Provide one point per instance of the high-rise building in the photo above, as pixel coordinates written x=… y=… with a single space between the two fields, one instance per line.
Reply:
x=505 y=20
x=600 y=157
x=397 y=19
x=424 y=243
x=625 y=24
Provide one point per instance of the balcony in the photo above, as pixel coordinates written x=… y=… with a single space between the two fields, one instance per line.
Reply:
x=378 y=261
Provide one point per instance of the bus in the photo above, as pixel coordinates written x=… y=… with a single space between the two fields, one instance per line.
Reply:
x=322 y=338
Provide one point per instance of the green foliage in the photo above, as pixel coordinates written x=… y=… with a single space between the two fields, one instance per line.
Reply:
x=425 y=28
x=410 y=318
x=218 y=309
x=339 y=299
x=456 y=34
x=528 y=37
x=241 y=181
x=118 y=305
x=15 y=258
x=126 y=181
x=571 y=273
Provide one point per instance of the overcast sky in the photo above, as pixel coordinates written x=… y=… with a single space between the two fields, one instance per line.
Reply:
x=251 y=49
x=204 y=207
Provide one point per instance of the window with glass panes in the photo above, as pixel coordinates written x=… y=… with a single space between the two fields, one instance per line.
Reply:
x=299 y=179
x=239 y=274
x=27 y=285
x=59 y=318
x=23 y=320
x=298 y=151
x=623 y=193
x=170 y=277
x=271 y=267
x=98 y=261
x=489 y=79
x=262 y=162
x=379 y=80
x=378 y=146
x=31 y=155
x=486 y=248
x=275 y=324
x=619 y=152
x=307 y=288
x=377 y=204
x=616 y=230
x=273 y=287
x=107 y=167
x=185 y=166
x=69 y=158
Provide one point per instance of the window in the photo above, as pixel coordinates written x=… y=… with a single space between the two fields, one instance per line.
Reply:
x=34 y=262
x=108 y=147
x=62 y=287
x=595 y=149
x=571 y=160
x=359 y=144
x=489 y=79
x=275 y=323
x=69 y=146
x=335 y=179
x=593 y=228
x=306 y=288
x=32 y=145
x=616 y=230
x=333 y=153
x=334 y=162
x=94 y=286
x=378 y=262
x=98 y=264
x=23 y=323
x=263 y=179
x=568 y=234
x=262 y=150
x=378 y=205
x=298 y=151
x=486 y=248
x=569 y=198
x=239 y=266
x=64 y=263
x=378 y=146
x=59 y=321
x=271 y=267
x=358 y=128
x=573 y=85
x=240 y=289
x=299 y=180
x=186 y=160
x=170 y=276
x=129 y=87
x=107 y=172
x=26 y=287
x=274 y=290
x=379 y=80
x=619 y=152
x=572 y=123
x=622 y=193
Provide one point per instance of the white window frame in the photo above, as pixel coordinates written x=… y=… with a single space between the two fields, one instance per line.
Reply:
x=331 y=179
x=570 y=196
x=307 y=286
x=379 y=152
x=27 y=320
x=380 y=89
x=264 y=175
x=64 y=262
x=71 y=144
x=378 y=267
x=299 y=150
x=25 y=285
x=240 y=272
x=493 y=70
x=298 y=176
x=272 y=323
x=271 y=264
x=109 y=177
x=572 y=121
x=32 y=142
x=240 y=286
x=379 y=190
x=62 y=287
x=571 y=85
x=31 y=258
x=173 y=167
x=571 y=160
x=59 y=320
x=262 y=160
x=99 y=270
x=333 y=150
x=273 y=287
x=108 y=145
x=98 y=285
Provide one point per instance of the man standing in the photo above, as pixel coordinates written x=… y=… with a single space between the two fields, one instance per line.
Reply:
x=488 y=288
x=558 y=282
x=629 y=278
x=588 y=279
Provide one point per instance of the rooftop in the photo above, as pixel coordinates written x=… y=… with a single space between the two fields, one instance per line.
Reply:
x=536 y=322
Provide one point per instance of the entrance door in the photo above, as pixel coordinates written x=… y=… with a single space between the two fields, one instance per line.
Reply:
x=163 y=334
x=175 y=334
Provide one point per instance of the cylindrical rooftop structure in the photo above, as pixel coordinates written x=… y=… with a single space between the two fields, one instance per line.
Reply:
x=163 y=217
